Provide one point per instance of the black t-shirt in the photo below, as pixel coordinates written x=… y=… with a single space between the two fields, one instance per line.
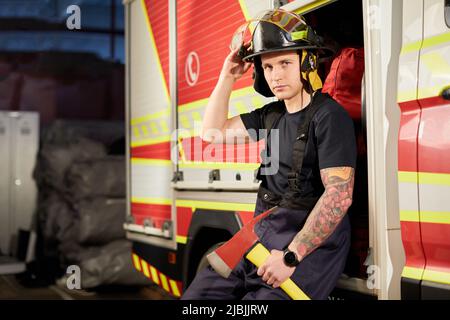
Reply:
x=331 y=143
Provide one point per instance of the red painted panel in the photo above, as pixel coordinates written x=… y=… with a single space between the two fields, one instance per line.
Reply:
x=158 y=13
x=157 y=212
x=434 y=137
x=206 y=28
x=412 y=244
x=160 y=151
x=195 y=149
x=407 y=140
x=184 y=217
x=436 y=244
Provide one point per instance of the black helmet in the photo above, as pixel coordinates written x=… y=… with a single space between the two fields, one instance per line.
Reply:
x=279 y=30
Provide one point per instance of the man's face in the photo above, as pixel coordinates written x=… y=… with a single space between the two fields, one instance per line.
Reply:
x=282 y=73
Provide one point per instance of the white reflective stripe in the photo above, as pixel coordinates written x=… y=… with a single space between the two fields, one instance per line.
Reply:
x=408 y=196
x=148 y=89
x=434 y=198
x=150 y=181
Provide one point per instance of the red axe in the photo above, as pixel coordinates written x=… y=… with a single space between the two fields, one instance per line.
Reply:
x=245 y=243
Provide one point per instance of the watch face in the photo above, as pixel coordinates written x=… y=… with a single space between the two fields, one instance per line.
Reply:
x=290 y=258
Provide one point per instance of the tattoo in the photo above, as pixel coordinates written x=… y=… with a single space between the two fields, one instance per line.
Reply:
x=328 y=211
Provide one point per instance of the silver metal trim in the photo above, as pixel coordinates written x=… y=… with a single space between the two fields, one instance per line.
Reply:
x=217 y=185
x=128 y=104
x=152 y=240
x=232 y=197
x=146 y=230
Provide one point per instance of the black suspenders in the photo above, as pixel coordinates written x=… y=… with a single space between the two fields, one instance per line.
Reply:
x=292 y=197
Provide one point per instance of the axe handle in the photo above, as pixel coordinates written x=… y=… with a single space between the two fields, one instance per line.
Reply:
x=258 y=254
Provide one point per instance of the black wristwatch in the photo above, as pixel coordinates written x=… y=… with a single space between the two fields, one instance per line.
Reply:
x=290 y=258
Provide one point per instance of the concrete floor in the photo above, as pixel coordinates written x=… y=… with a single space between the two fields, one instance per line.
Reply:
x=11 y=289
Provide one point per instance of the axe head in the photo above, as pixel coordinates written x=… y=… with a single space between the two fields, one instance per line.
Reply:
x=225 y=258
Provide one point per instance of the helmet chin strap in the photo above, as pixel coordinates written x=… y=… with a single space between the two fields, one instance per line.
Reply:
x=308 y=68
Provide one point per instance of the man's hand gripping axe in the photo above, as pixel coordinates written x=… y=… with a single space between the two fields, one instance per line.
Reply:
x=245 y=243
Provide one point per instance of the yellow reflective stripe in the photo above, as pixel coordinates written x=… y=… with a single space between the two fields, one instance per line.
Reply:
x=151 y=162
x=147 y=142
x=196 y=116
x=136 y=262
x=412 y=273
x=430 y=92
x=405 y=176
x=240 y=107
x=174 y=287
x=312 y=6
x=154 y=128
x=184 y=121
x=411 y=47
x=152 y=116
x=405 y=96
x=145 y=268
x=164 y=282
x=436 y=40
x=202 y=102
x=155 y=50
x=215 y=205
x=425 y=216
x=137 y=134
x=427 y=43
x=181 y=239
x=154 y=275
x=297 y=35
x=144 y=130
x=147 y=200
x=218 y=165
x=257 y=102
x=424 y=178
x=435 y=62
x=164 y=127
x=434 y=178
x=244 y=10
x=436 y=276
x=435 y=217
x=407 y=215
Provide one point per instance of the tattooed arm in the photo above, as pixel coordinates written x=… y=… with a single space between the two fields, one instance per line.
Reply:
x=328 y=211
x=322 y=221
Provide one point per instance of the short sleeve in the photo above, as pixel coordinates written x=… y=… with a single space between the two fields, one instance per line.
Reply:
x=253 y=123
x=336 y=142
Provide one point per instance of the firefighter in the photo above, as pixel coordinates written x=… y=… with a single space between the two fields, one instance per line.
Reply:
x=309 y=234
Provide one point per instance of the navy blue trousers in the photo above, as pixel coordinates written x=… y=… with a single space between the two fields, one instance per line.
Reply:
x=316 y=274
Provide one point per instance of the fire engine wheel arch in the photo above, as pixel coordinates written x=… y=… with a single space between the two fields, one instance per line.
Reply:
x=207 y=228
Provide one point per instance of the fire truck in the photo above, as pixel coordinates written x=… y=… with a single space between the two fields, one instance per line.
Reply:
x=186 y=197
